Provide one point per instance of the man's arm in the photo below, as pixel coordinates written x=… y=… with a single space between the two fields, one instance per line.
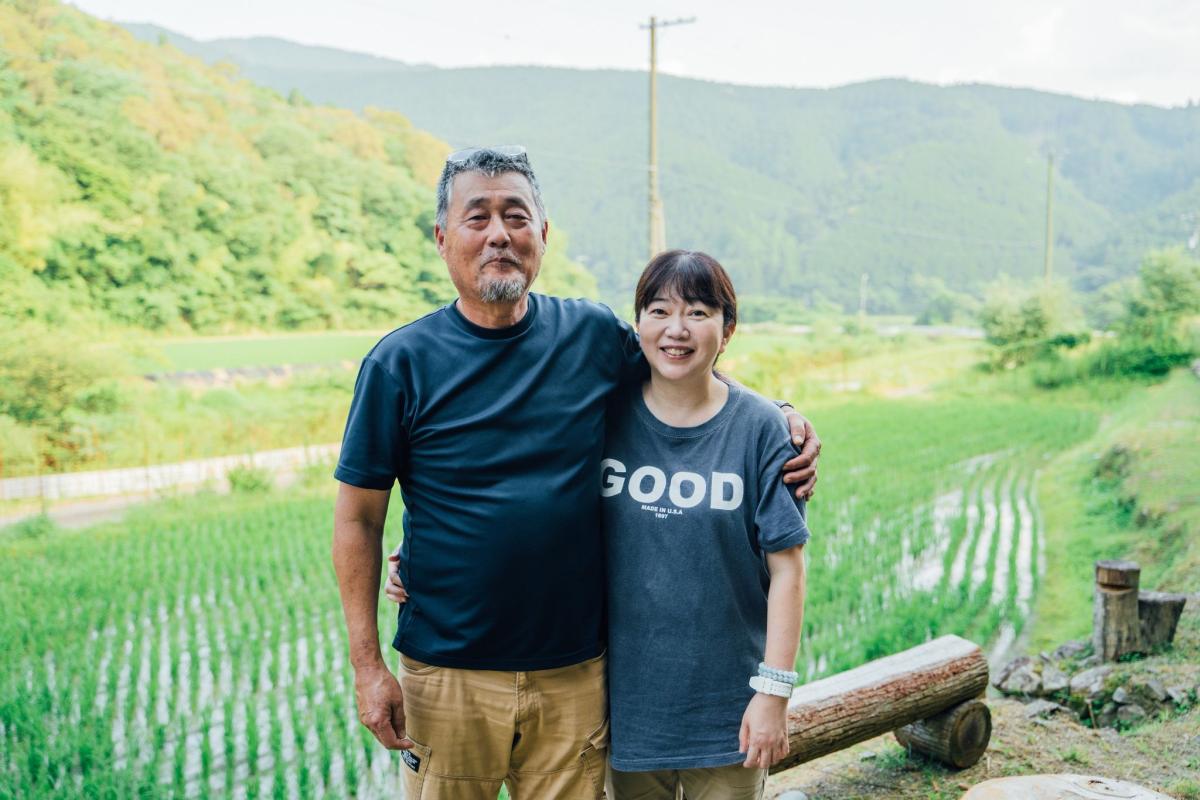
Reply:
x=358 y=521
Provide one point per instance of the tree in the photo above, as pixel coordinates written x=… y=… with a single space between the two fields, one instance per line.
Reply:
x=1025 y=323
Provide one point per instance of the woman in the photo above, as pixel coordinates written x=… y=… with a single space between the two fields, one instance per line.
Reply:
x=705 y=555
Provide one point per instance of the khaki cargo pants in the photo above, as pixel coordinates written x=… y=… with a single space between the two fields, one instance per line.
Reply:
x=544 y=733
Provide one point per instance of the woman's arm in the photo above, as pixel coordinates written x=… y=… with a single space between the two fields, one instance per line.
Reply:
x=785 y=607
x=763 y=735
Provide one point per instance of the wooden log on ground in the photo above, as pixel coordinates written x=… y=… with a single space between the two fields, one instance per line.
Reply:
x=881 y=696
x=957 y=736
x=1158 y=615
x=1116 y=629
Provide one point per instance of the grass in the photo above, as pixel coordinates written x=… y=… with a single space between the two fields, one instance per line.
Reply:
x=1144 y=513
x=809 y=369
x=167 y=423
x=223 y=352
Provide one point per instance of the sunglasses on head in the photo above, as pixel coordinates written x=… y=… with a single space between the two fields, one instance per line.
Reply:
x=510 y=150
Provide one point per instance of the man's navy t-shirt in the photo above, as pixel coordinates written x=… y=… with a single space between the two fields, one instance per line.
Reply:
x=496 y=437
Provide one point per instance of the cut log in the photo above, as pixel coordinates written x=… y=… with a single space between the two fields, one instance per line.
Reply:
x=1158 y=614
x=957 y=736
x=1116 y=630
x=881 y=696
x=1118 y=574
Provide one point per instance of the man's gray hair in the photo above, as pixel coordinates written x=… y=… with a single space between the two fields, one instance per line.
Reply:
x=491 y=164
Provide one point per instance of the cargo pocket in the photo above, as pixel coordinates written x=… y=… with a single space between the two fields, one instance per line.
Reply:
x=414 y=763
x=595 y=758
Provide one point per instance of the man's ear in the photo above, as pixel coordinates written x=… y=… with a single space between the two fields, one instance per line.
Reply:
x=545 y=232
x=439 y=236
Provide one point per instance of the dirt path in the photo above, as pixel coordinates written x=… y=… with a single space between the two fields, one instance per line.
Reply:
x=79 y=499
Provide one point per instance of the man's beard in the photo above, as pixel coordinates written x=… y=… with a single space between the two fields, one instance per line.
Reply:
x=502 y=290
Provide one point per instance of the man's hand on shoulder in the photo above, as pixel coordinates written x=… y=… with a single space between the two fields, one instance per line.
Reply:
x=381 y=706
x=802 y=470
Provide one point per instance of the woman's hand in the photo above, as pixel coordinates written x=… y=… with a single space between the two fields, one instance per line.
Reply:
x=394 y=589
x=763 y=737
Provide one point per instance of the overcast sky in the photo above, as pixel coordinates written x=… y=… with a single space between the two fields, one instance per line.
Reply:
x=1146 y=51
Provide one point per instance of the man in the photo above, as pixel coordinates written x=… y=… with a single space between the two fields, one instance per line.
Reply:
x=490 y=413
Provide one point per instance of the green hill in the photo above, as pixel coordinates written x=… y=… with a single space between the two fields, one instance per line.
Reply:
x=142 y=187
x=801 y=191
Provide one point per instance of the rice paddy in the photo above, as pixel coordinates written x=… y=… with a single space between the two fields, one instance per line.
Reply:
x=197 y=650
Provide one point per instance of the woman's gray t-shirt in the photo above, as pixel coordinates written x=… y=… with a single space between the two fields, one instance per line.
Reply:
x=689 y=515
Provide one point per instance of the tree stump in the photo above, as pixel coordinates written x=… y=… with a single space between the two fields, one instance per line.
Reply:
x=1116 y=629
x=1158 y=615
x=957 y=736
x=886 y=694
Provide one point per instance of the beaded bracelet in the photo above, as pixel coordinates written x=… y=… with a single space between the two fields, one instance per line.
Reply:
x=778 y=674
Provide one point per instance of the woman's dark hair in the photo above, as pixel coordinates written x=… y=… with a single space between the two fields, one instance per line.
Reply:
x=694 y=276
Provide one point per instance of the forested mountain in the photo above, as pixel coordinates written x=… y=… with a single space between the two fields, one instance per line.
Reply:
x=800 y=191
x=141 y=186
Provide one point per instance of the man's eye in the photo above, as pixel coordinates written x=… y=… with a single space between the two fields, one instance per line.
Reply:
x=699 y=312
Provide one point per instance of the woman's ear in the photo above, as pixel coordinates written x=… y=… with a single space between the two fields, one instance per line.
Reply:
x=729 y=329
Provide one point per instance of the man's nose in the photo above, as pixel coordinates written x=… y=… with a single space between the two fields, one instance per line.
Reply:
x=497 y=233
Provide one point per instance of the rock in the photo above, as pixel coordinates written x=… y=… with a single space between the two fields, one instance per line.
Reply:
x=1059 y=787
x=1131 y=714
x=1024 y=680
x=1086 y=682
x=1069 y=650
x=792 y=794
x=1091 y=661
x=1121 y=696
x=1148 y=691
x=1054 y=679
x=1042 y=708
x=1008 y=669
x=1106 y=716
x=1179 y=695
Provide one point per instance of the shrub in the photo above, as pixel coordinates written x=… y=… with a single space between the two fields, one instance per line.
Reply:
x=248 y=479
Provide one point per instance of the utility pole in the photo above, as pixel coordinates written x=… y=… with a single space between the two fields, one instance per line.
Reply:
x=657 y=220
x=1048 y=268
